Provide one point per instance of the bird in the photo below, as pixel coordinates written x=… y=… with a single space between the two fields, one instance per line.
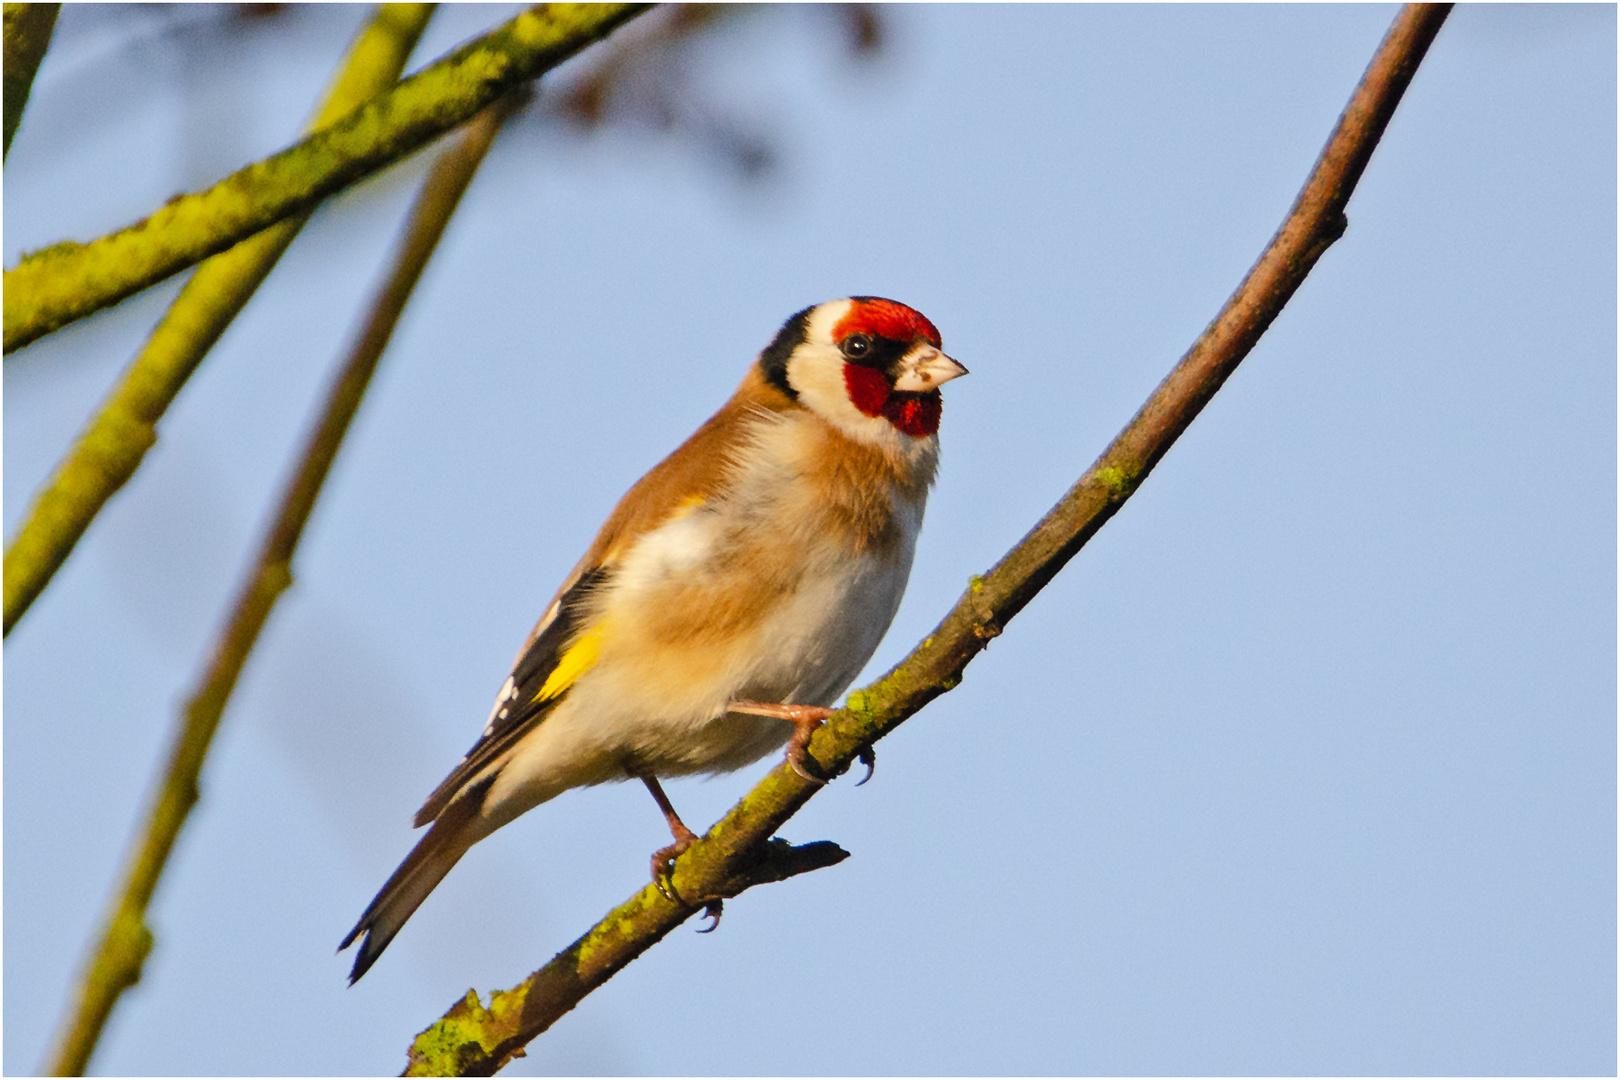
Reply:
x=731 y=596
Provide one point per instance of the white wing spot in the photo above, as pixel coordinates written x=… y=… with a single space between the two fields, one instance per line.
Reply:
x=496 y=712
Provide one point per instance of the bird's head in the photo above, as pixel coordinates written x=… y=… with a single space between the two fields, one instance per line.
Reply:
x=870 y=367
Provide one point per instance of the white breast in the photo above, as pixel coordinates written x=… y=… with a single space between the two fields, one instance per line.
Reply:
x=817 y=610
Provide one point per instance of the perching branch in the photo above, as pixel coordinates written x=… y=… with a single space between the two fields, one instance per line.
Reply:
x=68 y=281
x=125 y=939
x=472 y=1041
x=27 y=35
x=112 y=445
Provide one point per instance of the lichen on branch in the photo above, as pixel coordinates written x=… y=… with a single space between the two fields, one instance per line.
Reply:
x=51 y=288
x=28 y=30
x=116 y=440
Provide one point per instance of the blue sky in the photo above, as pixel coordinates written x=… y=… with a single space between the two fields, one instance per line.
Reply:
x=1305 y=764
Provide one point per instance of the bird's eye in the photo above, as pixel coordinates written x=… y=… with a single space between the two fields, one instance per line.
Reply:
x=856 y=346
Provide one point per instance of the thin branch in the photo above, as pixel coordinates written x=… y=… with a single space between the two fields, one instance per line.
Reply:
x=28 y=30
x=469 y=1042
x=68 y=281
x=125 y=939
x=113 y=444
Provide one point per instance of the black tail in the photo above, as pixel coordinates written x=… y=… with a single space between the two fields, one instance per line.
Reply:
x=445 y=843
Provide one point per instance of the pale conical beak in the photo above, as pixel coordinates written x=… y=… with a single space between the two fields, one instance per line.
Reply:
x=926 y=368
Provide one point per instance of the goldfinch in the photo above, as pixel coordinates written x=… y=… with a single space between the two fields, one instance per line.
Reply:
x=733 y=594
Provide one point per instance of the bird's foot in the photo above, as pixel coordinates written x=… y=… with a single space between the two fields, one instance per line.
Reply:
x=798 y=754
x=663 y=861
x=805 y=719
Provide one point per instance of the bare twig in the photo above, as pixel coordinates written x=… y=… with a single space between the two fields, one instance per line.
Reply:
x=27 y=35
x=68 y=281
x=467 y=1043
x=113 y=444
x=125 y=940
x=644 y=78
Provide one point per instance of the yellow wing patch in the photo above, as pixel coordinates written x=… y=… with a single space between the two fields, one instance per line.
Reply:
x=580 y=658
x=587 y=648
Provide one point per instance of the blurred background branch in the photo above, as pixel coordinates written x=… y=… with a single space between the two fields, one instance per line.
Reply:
x=50 y=288
x=27 y=35
x=115 y=441
x=125 y=939
x=643 y=80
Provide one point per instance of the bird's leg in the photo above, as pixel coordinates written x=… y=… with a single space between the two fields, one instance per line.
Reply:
x=663 y=860
x=805 y=720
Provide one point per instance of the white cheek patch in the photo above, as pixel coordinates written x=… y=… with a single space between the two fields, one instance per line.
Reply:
x=816 y=371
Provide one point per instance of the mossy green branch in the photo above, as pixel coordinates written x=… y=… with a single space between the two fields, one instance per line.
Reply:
x=472 y=1040
x=68 y=281
x=469 y=1043
x=111 y=448
x=125 y=939
x=28 y=30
